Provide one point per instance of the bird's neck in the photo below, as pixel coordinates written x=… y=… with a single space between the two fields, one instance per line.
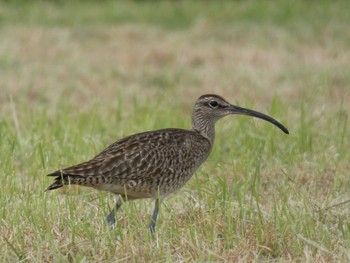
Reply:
x=204 y=127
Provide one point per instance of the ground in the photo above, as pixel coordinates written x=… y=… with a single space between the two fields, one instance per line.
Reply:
x=76 y=77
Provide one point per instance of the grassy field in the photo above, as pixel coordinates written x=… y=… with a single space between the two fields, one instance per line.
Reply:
x=76 y=76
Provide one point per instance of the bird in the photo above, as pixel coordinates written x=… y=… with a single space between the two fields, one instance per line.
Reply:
x=154 y=164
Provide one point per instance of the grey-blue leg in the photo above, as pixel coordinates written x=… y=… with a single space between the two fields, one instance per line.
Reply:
x=111 y=217
x=152 y=223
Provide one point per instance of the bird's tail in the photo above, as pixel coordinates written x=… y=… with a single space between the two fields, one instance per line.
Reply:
x=61 y=179
x=55 y=185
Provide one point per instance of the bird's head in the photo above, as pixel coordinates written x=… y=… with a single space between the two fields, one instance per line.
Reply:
x=210 y=108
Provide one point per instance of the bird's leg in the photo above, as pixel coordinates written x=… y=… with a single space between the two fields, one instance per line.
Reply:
x=111 y=217
x=152 y=223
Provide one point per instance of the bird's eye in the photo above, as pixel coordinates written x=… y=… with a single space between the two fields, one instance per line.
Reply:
x=213 y=104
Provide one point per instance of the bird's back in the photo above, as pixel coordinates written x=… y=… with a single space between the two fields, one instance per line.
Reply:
x=142 y=165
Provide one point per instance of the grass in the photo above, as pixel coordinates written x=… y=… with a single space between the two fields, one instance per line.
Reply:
x=75 y=78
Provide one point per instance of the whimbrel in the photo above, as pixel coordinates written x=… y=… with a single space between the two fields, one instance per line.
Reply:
x=154 y=164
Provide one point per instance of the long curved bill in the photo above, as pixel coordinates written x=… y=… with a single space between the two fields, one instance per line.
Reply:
x=242 y=111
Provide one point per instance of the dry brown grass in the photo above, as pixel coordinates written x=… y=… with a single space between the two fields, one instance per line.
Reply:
x=103 y=63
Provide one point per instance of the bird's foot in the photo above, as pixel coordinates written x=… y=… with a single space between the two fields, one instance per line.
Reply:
x=152 y=228
x=111 y=219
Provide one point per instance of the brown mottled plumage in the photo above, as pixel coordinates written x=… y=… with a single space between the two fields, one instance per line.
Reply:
x=156 y=163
